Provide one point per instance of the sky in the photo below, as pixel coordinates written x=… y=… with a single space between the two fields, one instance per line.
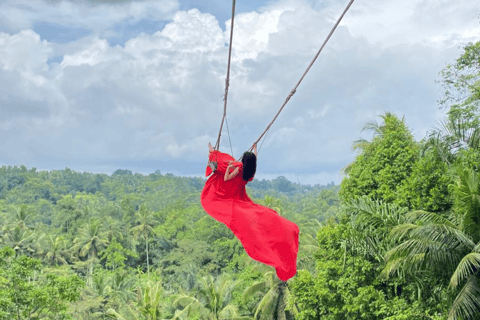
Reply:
x=98 y=86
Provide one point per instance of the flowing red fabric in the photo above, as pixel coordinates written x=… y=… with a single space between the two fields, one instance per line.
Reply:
x=266 y=236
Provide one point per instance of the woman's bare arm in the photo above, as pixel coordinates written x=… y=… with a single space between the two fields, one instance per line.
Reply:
x=231 y=175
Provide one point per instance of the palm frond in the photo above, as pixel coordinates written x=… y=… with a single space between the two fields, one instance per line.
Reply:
x=373 y=126
x=428 y=217
x=477 y=248
x=375 y=213
x=111 y=311
x=179 y=314
x=392 y=266
x=229 y=312
x=467 y=193
x=419 y=254
x=445 y=236
x=310 y=238
x=468 y=266
x=360 y=144
x=184 y=298
x=310 y=247
x=267 y=304
x=403 y=230
x=467 y=301
x=259 y=286
x=452 y=135
x=290 y=301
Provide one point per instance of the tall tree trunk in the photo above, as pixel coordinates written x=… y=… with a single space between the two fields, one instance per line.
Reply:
x=146 y=246
x=90 y=272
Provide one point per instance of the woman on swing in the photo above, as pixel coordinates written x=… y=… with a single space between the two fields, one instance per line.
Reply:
x=266 y=236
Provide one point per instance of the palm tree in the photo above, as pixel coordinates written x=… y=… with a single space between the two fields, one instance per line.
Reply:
x=372 y=221
x=120 y=287
x=68 y=213
x=151 y=300
x=20 y=239
x=149 y=305
x=21 y=216
x=91 y=304
x=362 y=143
x=308 y=246
x=276 y=297
x=373 y=126
x=190 y=276
x=55 y=250
x=144 y=218
x=113 y=228
x=212 y=299
x=451 y=245
x=450 y=136
x=273 y=203
x=90 y=241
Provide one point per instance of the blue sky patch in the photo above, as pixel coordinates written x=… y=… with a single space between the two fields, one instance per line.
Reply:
x=128 y=30
x=53 y=32
x=56 y=59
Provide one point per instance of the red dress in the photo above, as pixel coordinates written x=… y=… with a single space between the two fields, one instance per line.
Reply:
x=266 y=236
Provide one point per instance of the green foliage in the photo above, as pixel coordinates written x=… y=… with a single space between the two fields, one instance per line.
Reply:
x=370 y=224
x=383 y=165
x=212 y=300
x=461 y=82
x=26 y=293
x=144 y=221
x=100 y=228
x=381 y=262
x=346 y=285
x=468 y=158
x=445 y=246
x=426 y=188
x=342 y=288
x=467 y=202
x=115 y=255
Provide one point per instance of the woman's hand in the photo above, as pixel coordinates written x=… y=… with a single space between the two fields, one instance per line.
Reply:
x=229 y=175
x=232 y=163
x=230 y=166
x=255 y=148
x=210 y=148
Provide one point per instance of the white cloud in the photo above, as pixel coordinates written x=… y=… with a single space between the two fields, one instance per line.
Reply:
x=16 y=15
x=192 y=31
x=160 y=96
x=315 y=114
x=251 y=33
x=388 y=23
x=98 y=51
x=24 y=52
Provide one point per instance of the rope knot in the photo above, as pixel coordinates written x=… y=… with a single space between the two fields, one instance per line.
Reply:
x=290 y=94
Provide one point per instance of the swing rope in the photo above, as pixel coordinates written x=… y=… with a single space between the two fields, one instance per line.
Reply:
x=227 y=82
x=303 y=76
x=228 y=131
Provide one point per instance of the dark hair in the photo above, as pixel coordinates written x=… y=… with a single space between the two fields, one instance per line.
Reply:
x=249 y=160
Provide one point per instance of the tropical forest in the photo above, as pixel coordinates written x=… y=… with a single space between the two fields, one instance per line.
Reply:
x=398 y=239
